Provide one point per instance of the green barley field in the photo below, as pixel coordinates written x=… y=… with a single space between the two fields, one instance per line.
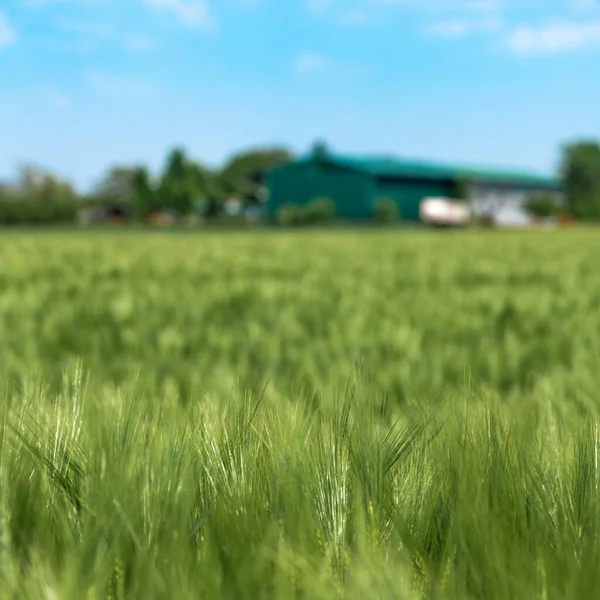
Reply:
x=312 y=415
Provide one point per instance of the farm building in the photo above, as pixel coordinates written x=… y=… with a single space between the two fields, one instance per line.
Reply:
x=355 y=183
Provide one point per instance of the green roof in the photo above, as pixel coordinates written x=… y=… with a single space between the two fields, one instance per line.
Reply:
x=391 y=166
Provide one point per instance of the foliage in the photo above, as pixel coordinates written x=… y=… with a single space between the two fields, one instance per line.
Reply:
x=319 y=149
x=39 y=185
x=243 y=174
x=289 y=215
x=541 y=205
x=38 y=212
x=580 y=171
x=118 y=185
x=271 y=416
x=178 y=187
x=207 y=183
x=386 y=211
x=38 y=198
x=586 y=209
x=184 y=182
x=319 y=211
x=144 y=199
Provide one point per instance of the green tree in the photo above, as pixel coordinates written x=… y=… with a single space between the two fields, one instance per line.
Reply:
x=176 y=164
x=541 y=206
x=37 y=184
x=244 y=173
x=211 y=193
x=580 y=171
x=143 y=199
x=38 y=197
x=319 y=149
x=118 y=185
x=178 y=189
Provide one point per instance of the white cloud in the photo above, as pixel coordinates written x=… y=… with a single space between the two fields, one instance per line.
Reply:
x=191 y=13
x=457 y=28
x=455 y=19
x=448 y=18
x=309 y=62
x=7 y=34
x=550 y=39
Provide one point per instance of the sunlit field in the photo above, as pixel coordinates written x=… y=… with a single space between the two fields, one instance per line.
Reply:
x=312 y=415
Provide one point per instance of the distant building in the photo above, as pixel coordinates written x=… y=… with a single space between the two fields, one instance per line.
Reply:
x=100 y=214
x=355 y=183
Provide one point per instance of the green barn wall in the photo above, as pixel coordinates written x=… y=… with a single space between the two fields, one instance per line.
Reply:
x=408 y=194
x=300 y=183
x=353 y=193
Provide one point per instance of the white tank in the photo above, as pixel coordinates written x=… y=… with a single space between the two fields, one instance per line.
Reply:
x=444 y=211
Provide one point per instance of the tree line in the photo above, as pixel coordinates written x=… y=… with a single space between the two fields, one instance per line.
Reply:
x=184 y=186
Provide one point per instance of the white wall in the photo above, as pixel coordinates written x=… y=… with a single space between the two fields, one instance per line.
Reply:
x=508 y=204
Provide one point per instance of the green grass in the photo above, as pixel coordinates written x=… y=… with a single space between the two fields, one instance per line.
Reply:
x=308 y=415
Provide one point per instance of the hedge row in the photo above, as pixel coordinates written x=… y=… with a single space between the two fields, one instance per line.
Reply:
x=322 y=210
x=38 y=212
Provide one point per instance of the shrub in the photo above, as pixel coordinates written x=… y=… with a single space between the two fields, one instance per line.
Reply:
x=319 y=210
x=38 y=212
x=586 y=209
x=386 y=211
x=289 y=215
x=541 y=206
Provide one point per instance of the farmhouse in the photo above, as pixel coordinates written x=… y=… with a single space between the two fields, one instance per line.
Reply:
x=354 y=184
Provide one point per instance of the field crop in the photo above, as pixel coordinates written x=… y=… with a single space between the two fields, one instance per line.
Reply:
x=308 y=415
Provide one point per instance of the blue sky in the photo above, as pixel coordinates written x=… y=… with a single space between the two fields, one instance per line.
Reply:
x=88 y=83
